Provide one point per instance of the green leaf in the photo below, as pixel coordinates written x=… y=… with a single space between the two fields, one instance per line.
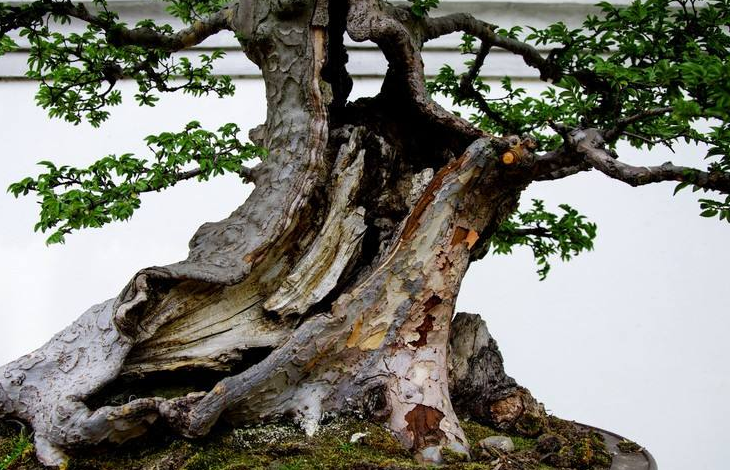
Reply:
x=108 y=190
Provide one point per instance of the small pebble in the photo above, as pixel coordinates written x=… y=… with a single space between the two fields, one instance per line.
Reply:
x=502 y=443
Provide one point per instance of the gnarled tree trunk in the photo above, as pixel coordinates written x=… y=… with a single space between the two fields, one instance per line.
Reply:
x=331 y=289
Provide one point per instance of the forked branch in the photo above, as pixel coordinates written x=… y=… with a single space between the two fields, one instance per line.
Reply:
x=613 y=134
x=389 y=27
x=641 y=175
x=464 y=22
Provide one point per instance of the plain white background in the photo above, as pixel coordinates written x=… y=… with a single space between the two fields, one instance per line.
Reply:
x=631 y=337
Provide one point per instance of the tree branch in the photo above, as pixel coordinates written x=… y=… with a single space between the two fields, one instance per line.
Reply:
x=641 y=175
x=549 y=71
x=583 y=150
x=612 y=135
x=387 y=26
x=467 y=91
x=532 y=231
x=118 y=35
x=589 y=144
x=440 y=26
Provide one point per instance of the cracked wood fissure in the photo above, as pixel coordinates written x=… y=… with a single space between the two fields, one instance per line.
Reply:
x=343 y=267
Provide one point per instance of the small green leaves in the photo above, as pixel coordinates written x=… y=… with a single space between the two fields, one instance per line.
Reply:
x=546 y=234
x=78 y=71
x=78 y=74
x=421 y=7
x=108 y=190
x=191 y=10
x=7 y=45
x=467 y=44
x=653 y=72
x=648 y=54
x=712 y=208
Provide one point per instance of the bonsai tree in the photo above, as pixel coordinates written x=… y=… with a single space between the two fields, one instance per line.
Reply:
x=331 y=289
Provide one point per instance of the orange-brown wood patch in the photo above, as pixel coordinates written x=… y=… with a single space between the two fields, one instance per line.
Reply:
x=423 y=423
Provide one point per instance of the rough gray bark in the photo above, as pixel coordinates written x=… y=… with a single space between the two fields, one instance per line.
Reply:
x=480 y=388
x=331 y=289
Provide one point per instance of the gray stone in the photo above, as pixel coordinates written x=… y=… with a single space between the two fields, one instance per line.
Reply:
x=502 y=443
x=430 y=455
x=459 y=448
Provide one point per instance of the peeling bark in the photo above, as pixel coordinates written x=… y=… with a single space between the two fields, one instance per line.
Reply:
x=338 y=242
x=331 y=289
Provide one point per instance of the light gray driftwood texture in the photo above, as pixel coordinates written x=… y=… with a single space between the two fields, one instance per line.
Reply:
x=332 y=288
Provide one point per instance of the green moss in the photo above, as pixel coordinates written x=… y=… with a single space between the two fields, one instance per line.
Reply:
x=450 y=456
x=531 y=424
x=628 y=446
x=475 y=432
x=282 y=446
x=14 y=451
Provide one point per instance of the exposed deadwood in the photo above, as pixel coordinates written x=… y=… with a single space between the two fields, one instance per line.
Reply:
x=48 y=387
x=317 y=272
x=388 y=332
x=331 y=289
x=212 y=327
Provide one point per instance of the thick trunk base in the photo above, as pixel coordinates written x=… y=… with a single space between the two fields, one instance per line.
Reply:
x=379 y=343
x=331 y=290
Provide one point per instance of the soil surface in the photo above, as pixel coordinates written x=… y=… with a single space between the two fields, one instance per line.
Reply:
x=282 y=446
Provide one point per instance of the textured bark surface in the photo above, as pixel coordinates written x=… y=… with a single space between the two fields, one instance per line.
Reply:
x=480 y=387
x=330 y=290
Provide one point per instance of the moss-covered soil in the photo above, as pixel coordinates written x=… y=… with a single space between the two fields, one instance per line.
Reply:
x=284 y=447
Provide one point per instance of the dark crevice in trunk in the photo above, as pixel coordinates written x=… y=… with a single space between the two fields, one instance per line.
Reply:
x=170 y=384
x=334 y=71
x=391 y=116
x=368 y=197
x=423 y=329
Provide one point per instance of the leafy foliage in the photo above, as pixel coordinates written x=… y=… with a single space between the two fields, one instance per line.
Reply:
x=546 y=234
x=654 y=72
x=6 y=43
x=78 y=72
x=712 y=208
x=191 y=10
x=421 y=7
x=108 y=190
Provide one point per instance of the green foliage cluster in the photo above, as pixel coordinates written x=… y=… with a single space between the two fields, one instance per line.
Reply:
x=108 y=190
x=655 y=73
x=651 y=73
x=421 y=7
x=78 y=72
x=649 y=54
x=189 y=11
x=546 y=234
